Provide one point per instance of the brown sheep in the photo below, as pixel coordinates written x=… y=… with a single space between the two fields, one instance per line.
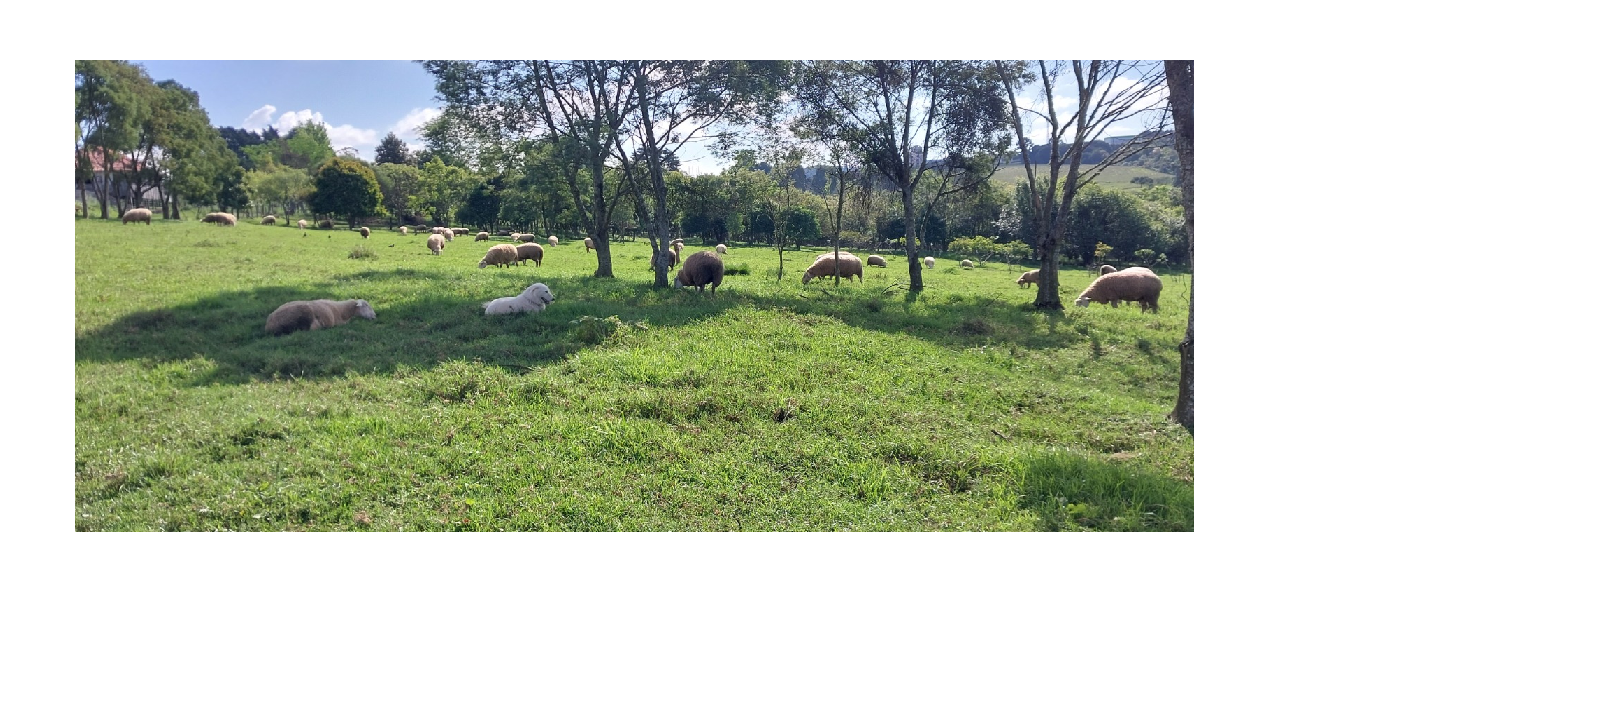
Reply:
x=530 y=251
x=325 y=224
x=849 y=265
x=503 y=255
x=365 y=232
x=700 y=269
x=316 y=314
x=1135 y=284
x=134 y=215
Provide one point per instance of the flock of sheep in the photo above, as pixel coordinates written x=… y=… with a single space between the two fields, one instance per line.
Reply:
x=1135 y=284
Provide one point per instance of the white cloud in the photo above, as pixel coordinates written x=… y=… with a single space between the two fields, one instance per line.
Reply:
x=350 y=135
x=409 y=128
x=291 y=119
x=260 y=119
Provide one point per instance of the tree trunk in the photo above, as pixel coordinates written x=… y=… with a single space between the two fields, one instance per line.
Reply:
x=911 y=239
x=176 y=215
x=1049 y=296
x=83 y=195
x=1180 y=90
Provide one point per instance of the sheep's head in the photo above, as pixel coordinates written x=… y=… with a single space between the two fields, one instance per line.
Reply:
x=1081 y=301
x=364 y=309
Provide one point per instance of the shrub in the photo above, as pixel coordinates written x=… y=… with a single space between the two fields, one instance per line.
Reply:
x=360 y=252
x=1145 y=256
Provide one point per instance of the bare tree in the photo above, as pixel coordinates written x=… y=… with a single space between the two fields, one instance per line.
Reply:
x=1107 y=92
x=1180 y=91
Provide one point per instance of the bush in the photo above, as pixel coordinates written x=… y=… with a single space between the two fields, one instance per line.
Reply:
x=1145 y=256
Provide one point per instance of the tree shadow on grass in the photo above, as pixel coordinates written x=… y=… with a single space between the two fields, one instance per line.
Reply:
x=425 y=319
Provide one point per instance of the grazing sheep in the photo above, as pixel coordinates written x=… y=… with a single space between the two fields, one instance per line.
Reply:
x=722 y=249
x=823 y=267
x=436 y=243
x=588 y=244
x=325 y=224
x=221 y=218
x=678 y=245
x=531 y=300
x=302 y=224
x=928 y=262
x=1028 y=278
x=966 y=264
x=480 y=236
x=1135 y=284
x=553 y=241
x=503 y=255
x=136 y=215
x=316 y=314
x=460 y=231
x=1107 y=269
x=530 y=251
x=877 y=261
x=700 y=269
x=365 y=232
x=448 y=234
x=405 y=230
x=269 y=220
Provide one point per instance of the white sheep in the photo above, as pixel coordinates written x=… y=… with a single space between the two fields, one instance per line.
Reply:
x=722 y=249
x=316 y=314
x=927 y=262
x=849 y=265
x=877 y=261
x=221 y=218
x=405 y=230
x=1028 y=278
x=481 y=236
x=269 y=220
x=531 y=300
x=966 y=264
x=503 y=255
x=1135 y=284
x=553 y=241
x=448 y=234
x=1107 y=269
x=588 y=244
x=302 y=224
x=134 y=215
x=436 y=243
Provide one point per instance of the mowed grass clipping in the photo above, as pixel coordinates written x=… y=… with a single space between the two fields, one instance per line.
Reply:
x=771 y=405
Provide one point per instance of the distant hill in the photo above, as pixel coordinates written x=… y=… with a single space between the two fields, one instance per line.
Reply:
x=1119 y=177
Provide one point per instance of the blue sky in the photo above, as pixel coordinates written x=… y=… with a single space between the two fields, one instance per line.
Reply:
x=359 y=100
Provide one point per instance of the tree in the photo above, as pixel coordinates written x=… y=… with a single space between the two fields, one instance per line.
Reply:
x=392 y=151
x=897 y=114
x=307 y=146
x=233 y=192
x=441 y=189
x=481 y=207
x=398 y=183
x=108 y=108
x=347 y=187
x=1107 y=92
x=1180 y=93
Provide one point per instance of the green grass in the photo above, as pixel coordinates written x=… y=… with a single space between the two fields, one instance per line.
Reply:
x=1116 y=177
x=769 y=406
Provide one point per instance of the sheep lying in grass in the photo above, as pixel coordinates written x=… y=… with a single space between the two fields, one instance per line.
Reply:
x=700 y=269
x=436 y=243
x=503 y=255
x=136 y=215
x=325 y=224
x=1107 y=269
x=1028 y=278
x=588 y=244
x=927 y=262
x=722 y=249
x=269 y=220
x=480 y=236
x=1135 y=284
x=220 y=218
x=849 y=265
x=365 y=232
x=877 y=261
x=531 y=300
x=530 y=251
x=316 y=314
x=966 y=264
x=302 y=224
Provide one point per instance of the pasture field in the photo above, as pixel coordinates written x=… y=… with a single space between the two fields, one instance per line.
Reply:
x=1116 y=177
x=769 y=406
